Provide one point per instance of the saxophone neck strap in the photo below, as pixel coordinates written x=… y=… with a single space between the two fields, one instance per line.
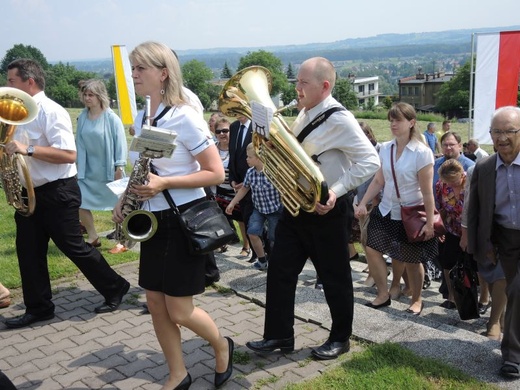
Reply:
x=317 y=121
x=154 y=123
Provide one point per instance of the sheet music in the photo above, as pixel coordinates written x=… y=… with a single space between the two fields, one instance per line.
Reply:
x=118 y=186
x=156 y=140
x=261 y=118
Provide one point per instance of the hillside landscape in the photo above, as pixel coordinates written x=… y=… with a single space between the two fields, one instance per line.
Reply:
x=389 y=56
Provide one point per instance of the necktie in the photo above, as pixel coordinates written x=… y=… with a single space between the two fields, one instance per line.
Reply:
x=240 y=137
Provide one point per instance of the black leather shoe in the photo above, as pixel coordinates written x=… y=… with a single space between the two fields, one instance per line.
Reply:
x=26 y=320
x=185 y=384
x=269 y=346
x=483 y=308
x=222 y=377
x=331 y=350
x=113 y=304
x=388 y=302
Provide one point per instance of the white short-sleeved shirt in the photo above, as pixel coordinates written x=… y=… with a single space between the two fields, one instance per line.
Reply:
x=415 y=156
x=192 y=138
x=52 y=127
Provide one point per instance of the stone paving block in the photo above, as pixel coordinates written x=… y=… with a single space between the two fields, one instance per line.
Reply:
x=33 y=343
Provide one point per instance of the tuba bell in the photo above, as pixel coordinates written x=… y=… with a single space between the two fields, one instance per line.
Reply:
x=293 y=173
x=16 y=108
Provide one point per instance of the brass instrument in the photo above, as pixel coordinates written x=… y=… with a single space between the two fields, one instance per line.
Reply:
x=286 y=165
x=16 y=108
x=138 y=225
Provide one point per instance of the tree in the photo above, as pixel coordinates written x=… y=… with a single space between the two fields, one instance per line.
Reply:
x=344 y=94
x=290 y=72
x=453 y=97
x=22 y=51
x=62 y=83
x=288 y=95
x=269 y=61
x=197 y=77
x=387 y=102
x=226 y=72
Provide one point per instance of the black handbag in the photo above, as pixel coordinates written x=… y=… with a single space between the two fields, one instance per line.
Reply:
x=204 y=224
x=465 y=281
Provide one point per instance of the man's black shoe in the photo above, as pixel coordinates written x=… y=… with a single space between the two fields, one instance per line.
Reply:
x=331 y=350
x=26 y=320
x=268 y=346
x=114 y=303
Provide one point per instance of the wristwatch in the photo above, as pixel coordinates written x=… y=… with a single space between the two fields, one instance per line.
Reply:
x=30 y=150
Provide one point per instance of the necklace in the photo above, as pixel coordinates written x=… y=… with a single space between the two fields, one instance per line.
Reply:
x=224 y=154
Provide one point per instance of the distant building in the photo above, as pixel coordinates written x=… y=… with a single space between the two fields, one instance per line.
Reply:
x=366 y=88
x=421 y=90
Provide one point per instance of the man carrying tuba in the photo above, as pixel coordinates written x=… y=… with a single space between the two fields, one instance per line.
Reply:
x=51 y=152
x=346 y=160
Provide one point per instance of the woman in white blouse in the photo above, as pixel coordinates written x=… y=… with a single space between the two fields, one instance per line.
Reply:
x=413 y=163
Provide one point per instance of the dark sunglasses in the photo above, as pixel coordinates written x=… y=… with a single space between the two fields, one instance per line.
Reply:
x=225 y=131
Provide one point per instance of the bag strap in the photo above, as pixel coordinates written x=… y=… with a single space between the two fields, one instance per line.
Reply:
x=317 y=121
x=163 y=112
x=393 y=172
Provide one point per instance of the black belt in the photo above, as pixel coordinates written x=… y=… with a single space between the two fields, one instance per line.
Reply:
x=54 y=184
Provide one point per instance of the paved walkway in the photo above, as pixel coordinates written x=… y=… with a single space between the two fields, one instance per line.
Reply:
x=79 y=349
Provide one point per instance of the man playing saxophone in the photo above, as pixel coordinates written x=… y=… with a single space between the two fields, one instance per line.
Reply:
x=52 y=155
x=346 y=159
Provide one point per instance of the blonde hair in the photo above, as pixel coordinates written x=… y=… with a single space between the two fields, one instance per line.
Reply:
x=251 y=148
x=159 y=56
x=98 y=88
x=450 y=170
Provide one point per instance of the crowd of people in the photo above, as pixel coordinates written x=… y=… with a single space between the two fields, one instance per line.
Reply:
x=368 y=182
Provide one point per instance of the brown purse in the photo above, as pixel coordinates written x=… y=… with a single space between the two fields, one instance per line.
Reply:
x=414 y=217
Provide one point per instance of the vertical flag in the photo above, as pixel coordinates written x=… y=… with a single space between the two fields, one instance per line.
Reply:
x=124 y=85
x=496 y=78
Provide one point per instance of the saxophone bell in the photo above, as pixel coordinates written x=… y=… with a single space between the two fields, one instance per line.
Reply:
x=139 y=225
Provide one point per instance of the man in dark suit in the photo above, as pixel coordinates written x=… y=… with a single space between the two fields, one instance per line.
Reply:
x=494 y=221
x=241 y=135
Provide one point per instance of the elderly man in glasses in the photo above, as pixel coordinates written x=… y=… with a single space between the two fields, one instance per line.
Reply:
x=494 y=221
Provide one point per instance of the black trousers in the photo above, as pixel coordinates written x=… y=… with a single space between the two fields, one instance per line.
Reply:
x=57 y=217
x=508 y=243
x=323 y=239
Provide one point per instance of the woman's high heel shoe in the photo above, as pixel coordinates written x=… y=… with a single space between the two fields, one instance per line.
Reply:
x=185 y=384
x=221 y=378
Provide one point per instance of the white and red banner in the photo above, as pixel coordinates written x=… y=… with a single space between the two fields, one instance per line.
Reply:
x=124 y=85
x=496 y=78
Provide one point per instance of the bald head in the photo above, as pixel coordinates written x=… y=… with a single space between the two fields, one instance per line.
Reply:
x=322 y=69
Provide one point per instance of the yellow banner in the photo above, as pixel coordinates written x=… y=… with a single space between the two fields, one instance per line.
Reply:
x=124 y=85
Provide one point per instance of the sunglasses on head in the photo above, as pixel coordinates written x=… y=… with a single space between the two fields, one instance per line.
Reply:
x=225 y=131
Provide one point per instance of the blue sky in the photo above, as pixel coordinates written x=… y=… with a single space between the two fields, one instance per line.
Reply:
x=68 y=30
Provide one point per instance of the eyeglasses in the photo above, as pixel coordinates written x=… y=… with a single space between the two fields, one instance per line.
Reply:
x=449 y=145
x=225 y=131
x=507 y=133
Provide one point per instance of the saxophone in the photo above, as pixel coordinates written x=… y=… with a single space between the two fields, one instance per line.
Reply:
x=138 y=225
x=16 y=108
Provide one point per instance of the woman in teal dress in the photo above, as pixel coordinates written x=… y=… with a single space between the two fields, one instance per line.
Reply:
x=101 y=153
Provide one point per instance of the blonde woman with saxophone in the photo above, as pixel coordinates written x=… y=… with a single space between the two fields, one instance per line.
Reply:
x=169 y=274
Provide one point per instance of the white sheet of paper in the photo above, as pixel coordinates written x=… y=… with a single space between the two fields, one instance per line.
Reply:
x=118 y=186
x=261 y=118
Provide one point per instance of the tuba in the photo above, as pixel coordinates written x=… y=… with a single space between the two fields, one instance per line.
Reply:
x=294 y=174
x=16 y=108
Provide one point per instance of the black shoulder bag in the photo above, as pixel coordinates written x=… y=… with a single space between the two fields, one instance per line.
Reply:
x=204 y=224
